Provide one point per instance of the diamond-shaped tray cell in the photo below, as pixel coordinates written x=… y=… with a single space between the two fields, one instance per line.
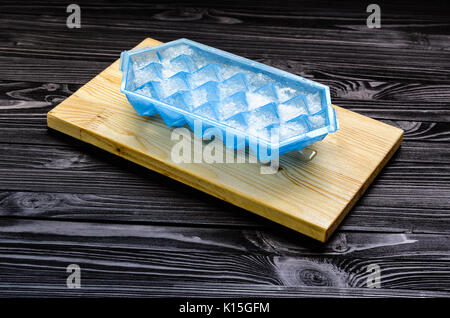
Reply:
x=185 y=82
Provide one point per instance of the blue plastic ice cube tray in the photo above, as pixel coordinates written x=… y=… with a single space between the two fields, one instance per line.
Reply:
x=244 y=102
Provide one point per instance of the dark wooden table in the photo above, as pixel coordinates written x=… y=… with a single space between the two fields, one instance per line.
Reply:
x=136 y=233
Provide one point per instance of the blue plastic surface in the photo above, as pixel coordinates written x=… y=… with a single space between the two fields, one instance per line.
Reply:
x=244 y=102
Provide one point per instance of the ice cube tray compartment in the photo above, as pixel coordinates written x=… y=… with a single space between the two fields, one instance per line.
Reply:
x=255 y=104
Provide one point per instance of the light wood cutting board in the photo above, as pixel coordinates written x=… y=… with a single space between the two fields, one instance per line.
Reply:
x=311 y=197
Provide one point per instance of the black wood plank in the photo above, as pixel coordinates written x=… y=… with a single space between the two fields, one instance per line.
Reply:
x=120 y=255
x=391 y=52
x=43 y=283
x=404 y=212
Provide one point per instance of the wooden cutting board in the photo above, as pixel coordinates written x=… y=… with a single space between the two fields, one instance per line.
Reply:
x=311 y=197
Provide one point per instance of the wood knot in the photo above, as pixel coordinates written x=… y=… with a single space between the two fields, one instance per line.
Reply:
x=181 y=14
x=339 y=244
x=309 y=272
x=313 y=277
x=28 y=202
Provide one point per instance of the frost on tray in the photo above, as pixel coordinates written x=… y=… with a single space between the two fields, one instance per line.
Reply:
x=314 y=103
x=174 y=51
x=234 y=94
x=292 y=108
